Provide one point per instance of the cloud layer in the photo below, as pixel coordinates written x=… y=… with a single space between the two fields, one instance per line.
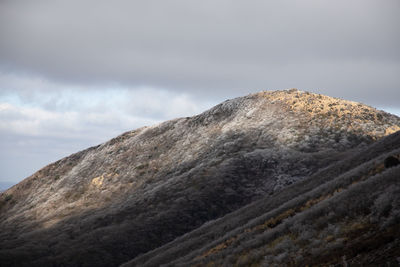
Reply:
x=222 y=47
x=75 y=73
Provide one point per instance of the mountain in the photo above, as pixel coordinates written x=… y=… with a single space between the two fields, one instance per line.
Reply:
x=141 y=190
x=347 y=214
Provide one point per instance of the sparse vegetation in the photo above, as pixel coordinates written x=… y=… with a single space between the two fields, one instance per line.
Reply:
x=8 y=197
x=350 y=223
x=391 y=161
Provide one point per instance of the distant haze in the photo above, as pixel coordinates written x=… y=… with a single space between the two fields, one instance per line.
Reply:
x=76 y=73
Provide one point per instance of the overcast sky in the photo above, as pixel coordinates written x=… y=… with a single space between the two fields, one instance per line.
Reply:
x=75 y=73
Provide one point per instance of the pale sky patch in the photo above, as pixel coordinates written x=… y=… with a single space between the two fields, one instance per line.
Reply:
x=40 y=126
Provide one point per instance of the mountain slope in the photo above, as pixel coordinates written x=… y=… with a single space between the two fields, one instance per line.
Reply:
x=347 y=213
x=107 y=204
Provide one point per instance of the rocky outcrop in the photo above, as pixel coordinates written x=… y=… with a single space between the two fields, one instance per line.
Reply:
x=146 y=187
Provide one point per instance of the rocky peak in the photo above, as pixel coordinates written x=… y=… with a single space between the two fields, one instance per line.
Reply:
x=294 y=117
x=336 y=112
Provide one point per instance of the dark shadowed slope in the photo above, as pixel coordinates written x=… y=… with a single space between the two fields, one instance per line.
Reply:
x=108 y=204
x=347 y=213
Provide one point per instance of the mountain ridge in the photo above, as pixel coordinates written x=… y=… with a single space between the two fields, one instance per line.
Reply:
x=182 y=172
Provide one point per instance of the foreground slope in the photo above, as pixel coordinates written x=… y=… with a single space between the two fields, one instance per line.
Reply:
x=346 y=214
x=107 y=204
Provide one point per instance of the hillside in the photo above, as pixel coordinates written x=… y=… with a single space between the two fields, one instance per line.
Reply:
x=105 y=205
x=347 y=214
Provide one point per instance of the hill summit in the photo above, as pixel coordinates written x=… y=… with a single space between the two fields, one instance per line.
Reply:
x=107 y=204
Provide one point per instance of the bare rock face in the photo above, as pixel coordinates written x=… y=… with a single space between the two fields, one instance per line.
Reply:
x=107 y=204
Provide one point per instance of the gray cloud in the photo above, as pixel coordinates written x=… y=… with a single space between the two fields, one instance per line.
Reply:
x=227 y=48
x=75 y=73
